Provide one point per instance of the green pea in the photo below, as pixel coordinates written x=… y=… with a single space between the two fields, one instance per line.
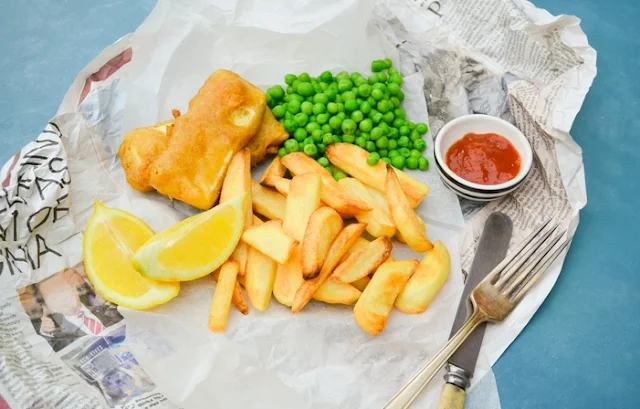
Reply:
x=382 y=142
x=312 y=126
x=306 y=107
x=290 y=125
x=372 y=79
x=412 y=163
x=348 y=95
x=289 y=78
x=414 y=136
x=423 y=163
x=297 y=97
x=313 y=118
x=308 y=99
x=371 y=101
x=345 y=85
x=420 y=145
x=276 y=92
x=360 y=81
x=288 y=115
x=326 y=76
x=377 y=94
x=376 y=133
x=306 y=141
x=282 y=151
x=395 y=102
x=348 y=138
x=404 y=130
x=383 y=152
x=342 y=75
x=393 y=88
x=422 y=128
x=364 y=90
x=399 y=113
x=382 y=77
x=400 y=96
x=329 y=169
x=339 y=175
x=278 y=111
x=335 y=122
x=382 y=87
x=396 y=78
x=385 y=128
x=310 y=150
x=386 y=160
x=393 y=144
x=370 y=146
x=411 y=125
x=351 y=105
x=404 y=152
x=332 y=108
x=331 y=94
x=393 y=153
x=317 y=135
x=294 y=106
x=361 y=142
x=393 y=133
x=300 y=134
x=357 y=116
x=340 y=106
x=270 y=101
x=326 y=128
x=324 y=86
x=365 y=135
x=398 y=162
x=393 y=71
x=319 y=109
x=291 y=145
x=322 y=148
x=366 y=125
x=384 y=106
x=376 y=118
x=403 y=141
x=304 y=77
x=321 y=98
x=365 y=107
x=348 y=126
x=327 y=139
x=387 y=63
x=301 y=119
x=397 y=122
x=415 y=153
x=387 y=117
x=373 y=158
x=322 y=118
x=305 y=89
x=341 y=115
x=377 y=66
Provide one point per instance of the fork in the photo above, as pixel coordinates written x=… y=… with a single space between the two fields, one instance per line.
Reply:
x=493 y=300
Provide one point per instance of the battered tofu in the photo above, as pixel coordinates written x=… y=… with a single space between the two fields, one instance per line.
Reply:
x=271 y=135
x=221 y=119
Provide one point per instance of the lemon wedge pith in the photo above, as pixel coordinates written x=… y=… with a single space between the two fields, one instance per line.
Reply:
x=194 y=247
x=110 y=239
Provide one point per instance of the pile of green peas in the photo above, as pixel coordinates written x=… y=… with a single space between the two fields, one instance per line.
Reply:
x=353 y=109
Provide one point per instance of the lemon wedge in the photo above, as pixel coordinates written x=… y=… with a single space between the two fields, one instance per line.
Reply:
x=194 y=247
x=110 y=239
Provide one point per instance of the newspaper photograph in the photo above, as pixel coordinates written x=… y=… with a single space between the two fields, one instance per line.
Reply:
x=64 y=346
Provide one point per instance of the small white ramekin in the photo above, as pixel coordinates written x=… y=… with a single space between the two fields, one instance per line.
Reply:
x=458 y=128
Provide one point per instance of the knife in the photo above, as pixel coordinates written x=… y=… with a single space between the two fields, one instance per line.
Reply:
x=492 y=249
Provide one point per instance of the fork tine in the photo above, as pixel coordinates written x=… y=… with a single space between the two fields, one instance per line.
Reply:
x=542 y=267
x=524 y=272
x=516 y=252
x=523 y=257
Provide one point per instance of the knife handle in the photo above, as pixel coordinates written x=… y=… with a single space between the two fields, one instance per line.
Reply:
x=452 y=397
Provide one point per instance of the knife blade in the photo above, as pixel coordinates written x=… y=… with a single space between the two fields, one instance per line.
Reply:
x=492 y=248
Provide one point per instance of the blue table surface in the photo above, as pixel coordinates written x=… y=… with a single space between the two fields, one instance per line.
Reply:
x=580 y=350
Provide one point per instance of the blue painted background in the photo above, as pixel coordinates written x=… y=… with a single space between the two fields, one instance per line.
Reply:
x=581 y=349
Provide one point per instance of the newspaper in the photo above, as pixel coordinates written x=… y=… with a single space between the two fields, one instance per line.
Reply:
x=63 y=346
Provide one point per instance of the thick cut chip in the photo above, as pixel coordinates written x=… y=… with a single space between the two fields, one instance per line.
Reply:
x=333 y=292
x=407 y=221
x=429 y=277
x=303 y=199
x=353 y=160
x=225 y=114
x=322 y=228
x=238 y=182
x=275 y=170
x=364 y=262
x=194 y=247
x=271 y=240
x=267 y=202
x=237 y=299
x=288 y=279
x=340 y=245
x=222 y=296
x=361 y=283
x=282 y=185
x=379 y=223
x=332 y=194
x=260 y=276
x=374 y=306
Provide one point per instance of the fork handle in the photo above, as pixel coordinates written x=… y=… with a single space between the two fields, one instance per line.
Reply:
x=411 y=390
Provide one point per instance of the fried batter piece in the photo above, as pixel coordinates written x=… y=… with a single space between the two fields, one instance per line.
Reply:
x=139 y=149
x=222 y=118
x=271 y=135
